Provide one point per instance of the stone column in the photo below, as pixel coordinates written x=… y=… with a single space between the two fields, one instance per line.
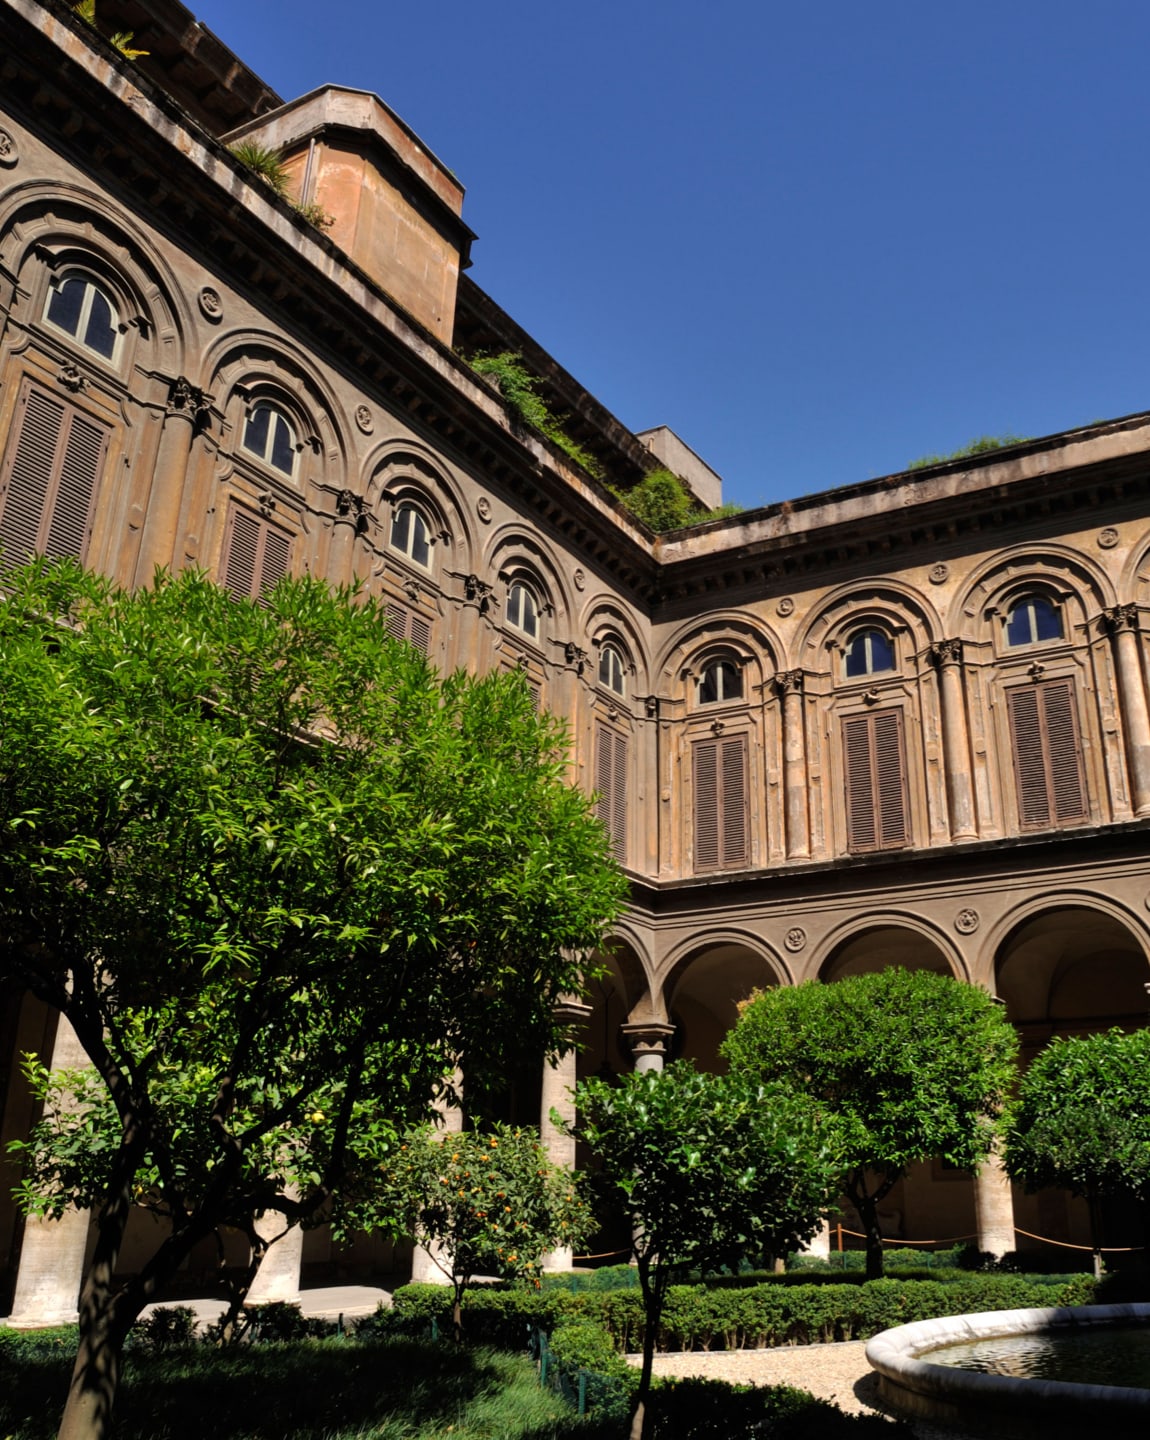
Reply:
x=994 y=1208
x=819 y=1245
x=1122 y=621
x=349 y=523
x=424 y=1268
x=279 y=1273
x=947 y=659
x=52 y=1253
x=558 y=1083
x=650 y=1040
x=186 y=404
x=789 y=686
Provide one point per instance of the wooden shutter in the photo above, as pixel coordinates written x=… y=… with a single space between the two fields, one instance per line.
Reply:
x=49 y=479
x=256 y=555
x=611 y=783
x=720 y=803
x=1047 y=755
x=874 y=767
x=405 y=624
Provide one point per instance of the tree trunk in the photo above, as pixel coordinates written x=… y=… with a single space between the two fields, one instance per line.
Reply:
x=1094 y=1206
x=96 y=1374
x=654 y=1292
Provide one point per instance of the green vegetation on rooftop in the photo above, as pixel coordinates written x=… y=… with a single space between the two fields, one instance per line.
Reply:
x=980 y=446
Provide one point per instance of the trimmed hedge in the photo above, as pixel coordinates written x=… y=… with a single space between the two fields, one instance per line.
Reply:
x=698 y=1317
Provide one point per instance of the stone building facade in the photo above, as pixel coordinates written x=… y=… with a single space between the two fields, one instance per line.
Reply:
x=901 y=722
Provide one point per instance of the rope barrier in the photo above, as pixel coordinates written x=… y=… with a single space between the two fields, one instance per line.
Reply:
x=1066 y=1245
x=900 y=1243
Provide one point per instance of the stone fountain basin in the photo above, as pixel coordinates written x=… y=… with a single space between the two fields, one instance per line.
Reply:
x=912 y=1387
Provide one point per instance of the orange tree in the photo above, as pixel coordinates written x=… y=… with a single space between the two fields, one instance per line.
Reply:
x=280 y=877
x=707 y=1170
x=486 y=1203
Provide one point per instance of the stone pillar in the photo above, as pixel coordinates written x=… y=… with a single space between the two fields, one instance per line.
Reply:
x=52 y=1253
x=789 y=685
x=349 y=523
x=819 y=1245
x=558 y=1083
x=1122 y=621
x=186 y=404
x=994 y=1208
x=424 y=1269
x=279 y=1273
x=650 y=1040
x=947 y=658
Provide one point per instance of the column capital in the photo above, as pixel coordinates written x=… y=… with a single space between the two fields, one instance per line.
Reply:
x=186 y=399
x=1121 y=617
x=571 y=1010
x=788 y=682
x=946 y=652
x=649 y=1038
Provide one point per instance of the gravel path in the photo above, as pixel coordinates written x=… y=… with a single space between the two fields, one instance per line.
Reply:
x=839 y=1373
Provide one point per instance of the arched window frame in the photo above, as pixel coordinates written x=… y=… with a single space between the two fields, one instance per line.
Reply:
x=612 y=668
x=864 y=633
x=281 y=415
x=519 y=589
x=1029 y=601
x=93 y=287
x=408 y=546
x=728 y=690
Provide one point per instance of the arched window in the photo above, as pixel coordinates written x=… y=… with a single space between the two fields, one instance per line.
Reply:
x=869 y=652
x=1032 y=620
x=410 y=535
x=722 y=680
x=80 y=308
x=268 y=435
x=611 y=669
x=522 y=609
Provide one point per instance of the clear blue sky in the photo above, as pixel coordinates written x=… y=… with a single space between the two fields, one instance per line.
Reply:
x=817 y=240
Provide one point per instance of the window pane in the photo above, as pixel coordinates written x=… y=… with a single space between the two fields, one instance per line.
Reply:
x=881 y=652
x=856 y=662
x=420 y=550
x=709 y=685
x=100 y=335
x=730 y=680
x=530 y=614
x=283 y=448
x=64 y=306
x=1047 y=621
x=256 y=431
x=401 y=529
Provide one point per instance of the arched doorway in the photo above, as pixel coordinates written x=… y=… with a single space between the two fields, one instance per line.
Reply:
x=704 y=992
x=1072 y=970
x=933 y=1200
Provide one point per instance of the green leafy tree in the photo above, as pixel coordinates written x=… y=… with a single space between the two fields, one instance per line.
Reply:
x=707 y=1170
x=281 y=879
x=486 y=1202
x=1082 y=1120
x=911 y=1064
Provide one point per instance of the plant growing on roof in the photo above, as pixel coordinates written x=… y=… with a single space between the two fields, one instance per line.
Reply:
x=520 y=390
x=120 y=40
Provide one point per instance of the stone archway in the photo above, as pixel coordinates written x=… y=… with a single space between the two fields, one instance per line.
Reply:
x=704 y=992
x=932 y=1201
x=1072 y=969
x=880 y=947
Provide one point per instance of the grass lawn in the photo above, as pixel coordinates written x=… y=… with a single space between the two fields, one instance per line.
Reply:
x=306 y=1390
